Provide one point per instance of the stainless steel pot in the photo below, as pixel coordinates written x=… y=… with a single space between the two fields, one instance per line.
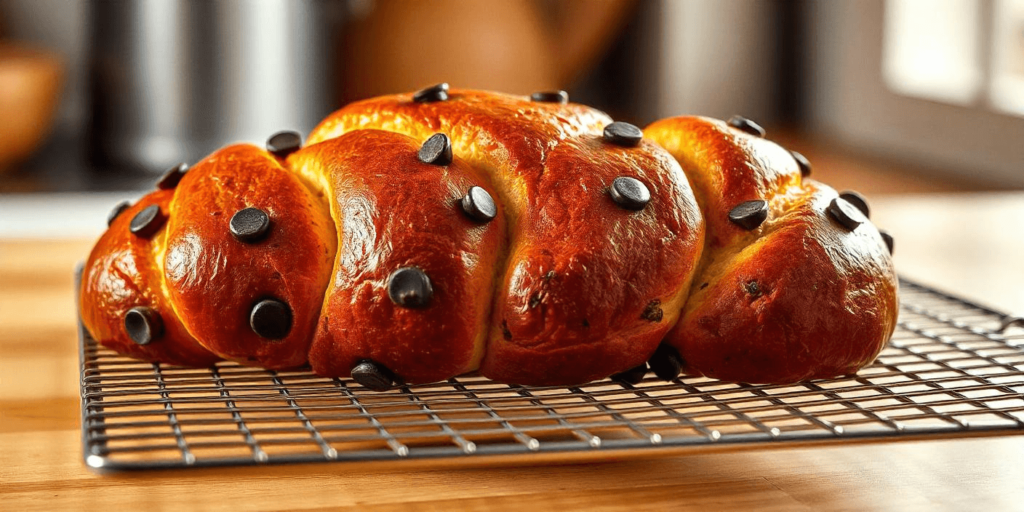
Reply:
x=173 y=80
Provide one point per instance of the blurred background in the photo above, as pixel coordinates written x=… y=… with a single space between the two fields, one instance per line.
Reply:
x=886 y=96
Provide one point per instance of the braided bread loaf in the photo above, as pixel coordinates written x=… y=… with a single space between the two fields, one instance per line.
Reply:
x=419 y=237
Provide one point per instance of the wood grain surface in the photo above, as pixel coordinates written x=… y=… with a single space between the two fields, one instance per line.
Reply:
x=41 y=466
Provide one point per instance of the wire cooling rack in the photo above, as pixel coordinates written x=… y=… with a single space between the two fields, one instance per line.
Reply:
x=952 y=368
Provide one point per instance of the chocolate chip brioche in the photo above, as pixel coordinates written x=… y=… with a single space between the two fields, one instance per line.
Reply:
x=419 y=237
x=794 y=282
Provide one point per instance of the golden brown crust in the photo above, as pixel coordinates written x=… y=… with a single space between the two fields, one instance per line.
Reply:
x=726 y=167
x=572 y=305
x=121 y=274
x=564 y=286
x=797 y=298
x=807 y=300
x=214 y=279
x=393 y=212
x=570 y=299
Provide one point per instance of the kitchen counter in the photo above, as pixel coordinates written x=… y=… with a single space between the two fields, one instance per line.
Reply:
x=967 y=244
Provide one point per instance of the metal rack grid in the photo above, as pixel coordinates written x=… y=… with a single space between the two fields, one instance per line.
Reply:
x=952 y=368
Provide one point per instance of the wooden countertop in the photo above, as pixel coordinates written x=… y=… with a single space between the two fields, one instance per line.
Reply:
x=961 y=243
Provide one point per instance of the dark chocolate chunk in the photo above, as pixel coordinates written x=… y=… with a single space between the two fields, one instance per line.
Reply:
x=550 y=97
x=117 y=210
x=633 y=375
x=437 y=150
x=410 y=287
x=857 y=201
x=845 y=213
x=889 y=242
x=479 y=205
x=749 y=214
x=148 y=221
x=271 y=319
x=373 y=375
x=630 y=193
x=171 y=178
x=802 y=162
x=746 y=125
x=623 y=134
x=437 y=92
x=249 y=225
x=666 y=363
x=652 y=312
x=143 y=325
x=753 y=289
x=282 y=144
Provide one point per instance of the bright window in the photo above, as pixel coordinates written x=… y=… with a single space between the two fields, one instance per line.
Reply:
x=1007 y=89
x=932 y=49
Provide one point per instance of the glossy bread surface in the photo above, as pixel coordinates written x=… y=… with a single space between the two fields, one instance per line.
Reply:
x=215 y=279
x=798 y=297
x=805 y=300
x=598 y=251
x=579 y=271
x=396 y=212
x=122 y=273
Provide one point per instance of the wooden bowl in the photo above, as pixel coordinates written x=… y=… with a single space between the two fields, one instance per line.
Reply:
x=30 y=82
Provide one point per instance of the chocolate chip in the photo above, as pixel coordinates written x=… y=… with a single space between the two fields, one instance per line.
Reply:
x=143 y=325
x=803 y=163
x=753 y=289
x=630 y=193
x=889 y=242
x=249 y=225
x=437 y=150
x=437 y=92
x=623 y=134
x=410 y=287
x=171 y=178
x=373 y=376
x=746 y=125
x=652 y=312
x=117 y=210
x=550 y=97
x=282 y=144
x=749 y=214
x=148 y=221
x=505 y=333
x=666 y=363
x=271 y=319
x=633 y=375
x=479 y=205
x=857 y=201
x=845 y=213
